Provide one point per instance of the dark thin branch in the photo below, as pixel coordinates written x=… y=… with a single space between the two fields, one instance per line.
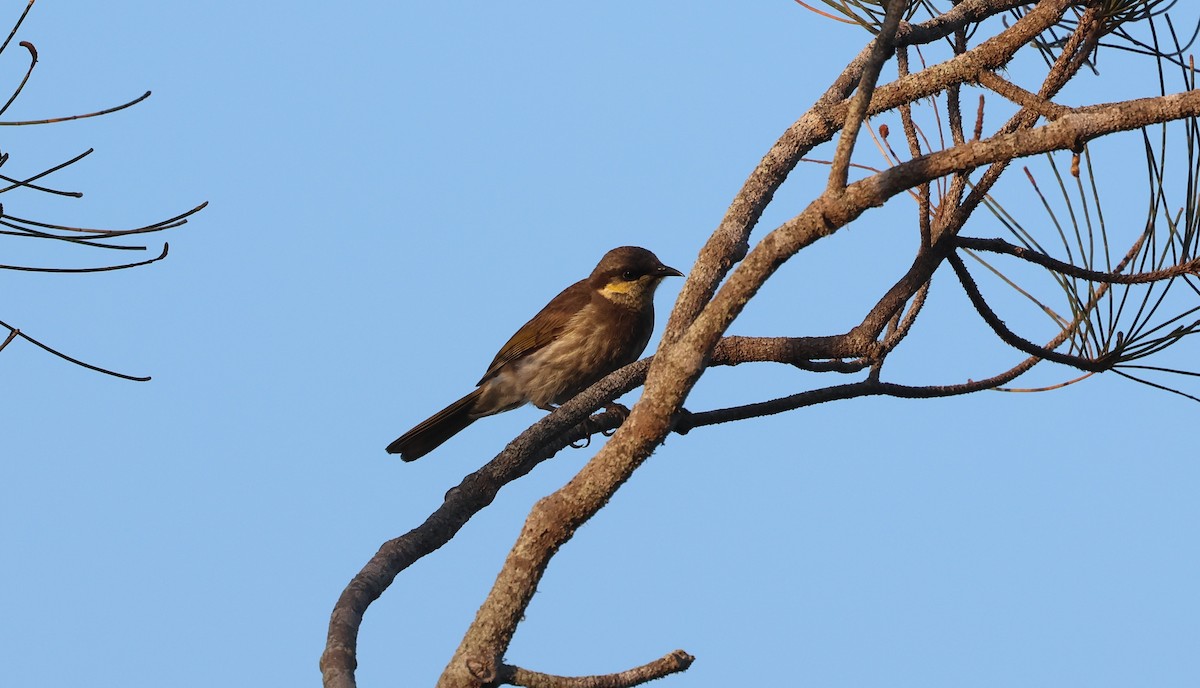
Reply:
x=18 y=333
x=1155 y=385
x=25 y=183
x=38 y=230
x=1173 y=371
x=673 y=663
x=49 y=171
x=20 y=20
x=1014 y=340
x=1072 y=270
x=104 y=268
x=33 y=57
x=69 y=118
x=30 y=233
x=688 y=421
x=93 y=234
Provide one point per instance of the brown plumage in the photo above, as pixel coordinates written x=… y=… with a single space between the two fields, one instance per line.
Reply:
x=589 y=330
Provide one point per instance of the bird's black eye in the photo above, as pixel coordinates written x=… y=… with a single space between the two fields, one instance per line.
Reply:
x=629 y=275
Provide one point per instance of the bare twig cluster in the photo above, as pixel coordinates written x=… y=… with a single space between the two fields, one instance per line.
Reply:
x=1107 y=325
x=16 y=228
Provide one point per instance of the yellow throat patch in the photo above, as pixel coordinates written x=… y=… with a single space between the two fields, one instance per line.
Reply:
x=629 y=290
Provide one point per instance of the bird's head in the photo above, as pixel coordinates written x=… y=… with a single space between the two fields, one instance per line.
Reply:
x=629 y=275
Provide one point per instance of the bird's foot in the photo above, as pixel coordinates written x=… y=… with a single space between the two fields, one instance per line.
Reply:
x=618 y=411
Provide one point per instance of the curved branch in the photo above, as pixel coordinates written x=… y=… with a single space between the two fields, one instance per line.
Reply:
x=16 y=332
x=33 y=58
x=1001 y=246
x=104 y=268
x=92 y=234
x=1014 y=340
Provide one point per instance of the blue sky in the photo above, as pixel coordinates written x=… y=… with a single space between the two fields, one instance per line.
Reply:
x=394 y=188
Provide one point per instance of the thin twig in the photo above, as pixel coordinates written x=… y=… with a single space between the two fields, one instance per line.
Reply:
x=881 y=48
x=51 y=170
x=33 y=57
x=673 y=663
x=1189 y=267
x=103 y=268
x=69 y=118
x=18 y=333
x=20 y=20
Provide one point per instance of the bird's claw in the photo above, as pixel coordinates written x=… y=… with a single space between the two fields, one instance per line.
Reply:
x=591 y=426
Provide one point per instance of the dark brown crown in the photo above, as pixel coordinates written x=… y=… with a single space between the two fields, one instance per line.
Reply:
x=628 y=263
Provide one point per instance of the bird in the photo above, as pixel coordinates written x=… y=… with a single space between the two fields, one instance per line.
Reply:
x=590 y=329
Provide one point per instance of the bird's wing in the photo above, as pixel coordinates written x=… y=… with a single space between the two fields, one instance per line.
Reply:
x=543 y=328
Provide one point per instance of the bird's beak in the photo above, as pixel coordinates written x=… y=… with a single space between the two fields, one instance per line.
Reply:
x=664 y=271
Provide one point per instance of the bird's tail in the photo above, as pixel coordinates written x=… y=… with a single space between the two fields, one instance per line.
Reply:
x=430 y=434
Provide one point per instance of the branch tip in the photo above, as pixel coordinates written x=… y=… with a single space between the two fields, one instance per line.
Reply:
x=672 y=663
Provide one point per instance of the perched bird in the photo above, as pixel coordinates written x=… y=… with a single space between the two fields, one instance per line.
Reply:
x=589 y=330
